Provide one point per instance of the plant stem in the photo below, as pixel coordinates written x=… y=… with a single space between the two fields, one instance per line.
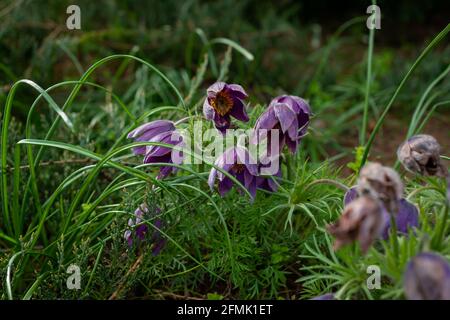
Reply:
x=394 y=239
x=443 y=226
x=362 y=133
x=380 y=121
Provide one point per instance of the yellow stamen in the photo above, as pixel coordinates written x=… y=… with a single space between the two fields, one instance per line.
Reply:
x=222 y=103
x=238 y=168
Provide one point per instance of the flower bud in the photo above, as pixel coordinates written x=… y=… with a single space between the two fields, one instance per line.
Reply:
x=427 y=277
x=362 y=220
x=381 y=183
x=421 y=154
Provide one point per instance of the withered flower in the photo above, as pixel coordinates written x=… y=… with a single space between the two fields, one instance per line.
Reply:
x=381 y=183
x=362 y=220
x=421 y=154
x=406 y=218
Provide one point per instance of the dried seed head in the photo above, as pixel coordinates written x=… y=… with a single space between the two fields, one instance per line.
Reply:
x=362 y=220
x=427 y=277
x=381 y=183
x=421 y=154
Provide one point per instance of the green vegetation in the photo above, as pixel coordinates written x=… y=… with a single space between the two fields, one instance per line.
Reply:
x=70 y=181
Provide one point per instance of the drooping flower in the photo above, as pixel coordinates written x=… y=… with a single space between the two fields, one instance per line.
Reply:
x=224 y=100
x=427 y=277
x=148 y=131
x=290 y=115
x=406 y=218
x=237 y=162
x=421 y=154
x=138 y=231
x=362 y=220
x=382 y=183
x=161 y=154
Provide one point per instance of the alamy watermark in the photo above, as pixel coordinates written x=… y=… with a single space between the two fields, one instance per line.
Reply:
x=74 y=280
x=374 y=280
x=374 y=20
x=73 y=21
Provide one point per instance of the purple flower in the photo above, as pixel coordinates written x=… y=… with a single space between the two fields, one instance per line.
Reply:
x=427 y=277
x=267 y=183
x=290 y=115
x=148 y=131
x=406 y=218
x=224 y=100
x=160 y=154
x=362 y=220
x=141 y=229
x=328 y=296
x=138 y=231
x=237 y=162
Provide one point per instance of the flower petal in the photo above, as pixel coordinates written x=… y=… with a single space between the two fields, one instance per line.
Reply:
x=350 y=195
x=155 y=127
x=225 y=186
x=215 y=88
x=238 y=91
x=407 y=217
x=208 y=110
x=238 y=110
x=285 y=116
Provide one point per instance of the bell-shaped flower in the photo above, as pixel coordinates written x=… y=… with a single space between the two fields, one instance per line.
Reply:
x=362 y=220
x=148 y=131
x=290 y=115
x=224 y=100
x=427 y=277
x=406 y=218
x=162 y=154
x=237 y=162
x=138 y=231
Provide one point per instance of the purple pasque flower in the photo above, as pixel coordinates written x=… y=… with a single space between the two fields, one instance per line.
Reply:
x=290 y=115
x=224 y=100
x=138 y=231
x=406 y=218
x=161 y=154
x=237 y=162
x=427 y=277
x=148 y=131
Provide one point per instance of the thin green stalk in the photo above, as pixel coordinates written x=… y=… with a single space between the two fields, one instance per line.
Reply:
x=443 y=226
x=362 y=133
x=420 y=109
x=380 y=121
x=394 y=238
